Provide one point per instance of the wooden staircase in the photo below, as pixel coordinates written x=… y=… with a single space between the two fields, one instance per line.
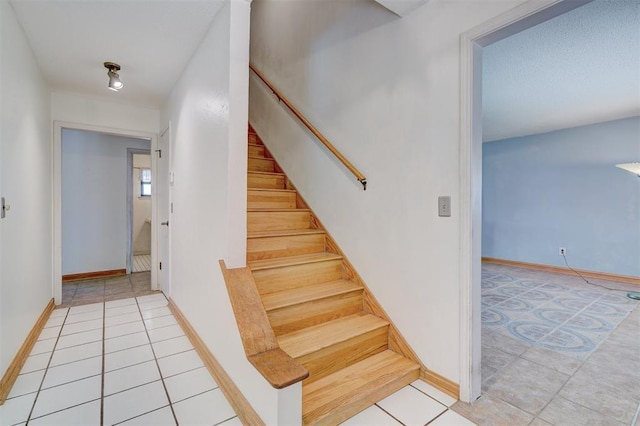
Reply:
x=314 y=305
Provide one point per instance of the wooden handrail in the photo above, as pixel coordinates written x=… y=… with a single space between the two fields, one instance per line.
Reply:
x=361 y=178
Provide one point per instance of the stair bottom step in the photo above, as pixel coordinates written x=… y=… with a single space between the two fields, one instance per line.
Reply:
x=343 y=394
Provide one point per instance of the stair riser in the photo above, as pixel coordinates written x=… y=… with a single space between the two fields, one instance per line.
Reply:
x=274 y=221
x=355 y=405
x=343 y=354
x=256 y=150
x=265 y=181
x=261 y=165
x=293 y=245
x=296 y=317
x=288 y=277
x=271 y=200
x=253 y=138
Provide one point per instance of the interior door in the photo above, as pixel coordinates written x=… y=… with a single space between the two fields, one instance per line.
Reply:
x=164 y=211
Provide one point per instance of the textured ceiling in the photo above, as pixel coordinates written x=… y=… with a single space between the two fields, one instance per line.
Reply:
x=579 y=68
x=151 y=40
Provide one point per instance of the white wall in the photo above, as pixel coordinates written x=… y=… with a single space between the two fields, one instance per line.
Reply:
x=94 y=200
x=90 y=111
x=25 y=181
x=141 y=208
x=208 y=113
x=386 y=92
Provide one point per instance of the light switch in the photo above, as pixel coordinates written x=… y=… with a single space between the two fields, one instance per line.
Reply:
x=444 y=206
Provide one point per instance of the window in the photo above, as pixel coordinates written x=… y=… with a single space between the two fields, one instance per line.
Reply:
x=145 y=182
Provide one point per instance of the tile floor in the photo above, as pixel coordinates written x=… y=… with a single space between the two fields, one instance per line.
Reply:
x=556 y=350
x=76 y=293
x=117 y=362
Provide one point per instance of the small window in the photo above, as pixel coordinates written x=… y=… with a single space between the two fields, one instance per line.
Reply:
x=145 y=182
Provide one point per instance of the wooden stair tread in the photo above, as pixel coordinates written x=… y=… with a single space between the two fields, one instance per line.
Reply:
x=312 y=339
x=291 y=297
x=284 y=233
x=340 y=395
x=252 y=157
x=271 y=190
x=271 y=209
x=255 y=172
x=258 y=265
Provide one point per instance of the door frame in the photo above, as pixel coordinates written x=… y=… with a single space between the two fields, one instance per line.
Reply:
x=164 y=184
x=518 y=19
x=130 y=195
x=56 y=189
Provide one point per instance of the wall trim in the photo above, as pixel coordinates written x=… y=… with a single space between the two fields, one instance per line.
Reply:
x=241 y=406
x=93 y=275
x=627 y=279
x=440 y=382
x=10 y=376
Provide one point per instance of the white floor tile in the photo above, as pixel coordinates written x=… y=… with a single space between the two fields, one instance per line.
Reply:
x=151 y=298
x=36 y=362
x=165 y=333
x=79 y=327
x=68 y=395
x=125 y=342
x=49 y=333
x=161 y=417
x=134 y=402
x=54 y=322
x=127 y=357
x=372 y=416
x=179 y=363
x=76 y=353
x=159 y=322
x=86 y=308
x=120 y=302
x=16 y=410
x=434 y=393
x=209 y=408
x=79 y=339
x=26 y=383
x=191 y=383
x=122 y=319
x=43 y=346
x=130 y=377
x=451 y=418
x=84 y=316
x=235 y=421
x=59 y=312
x=411 y=406
x=127 y=309
x=81 y=415
x=71 y=372
x=172 y=346
x=123 y=329
x=157 y=312
x=153 y=305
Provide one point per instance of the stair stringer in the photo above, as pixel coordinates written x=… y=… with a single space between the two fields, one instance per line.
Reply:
x=396 y=341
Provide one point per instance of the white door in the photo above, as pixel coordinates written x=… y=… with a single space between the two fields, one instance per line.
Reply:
x=164 y=211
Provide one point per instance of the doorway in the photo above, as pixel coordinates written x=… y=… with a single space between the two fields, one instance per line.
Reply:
x=518 y=19
x=76 y=261
x=139 y=198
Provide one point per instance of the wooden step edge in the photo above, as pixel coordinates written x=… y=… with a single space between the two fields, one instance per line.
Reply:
x=323 y=403
x=256 y=172
x=256 y=144
x=324 y=335
x=274 y=210
x=307 y=294
x=283 y=233
x=278 y=368
x=289 y=191
x=282 y=262
x=251 y=157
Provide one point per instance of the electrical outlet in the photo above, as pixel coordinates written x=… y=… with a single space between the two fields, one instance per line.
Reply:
x=563 y=251
x=444 y=206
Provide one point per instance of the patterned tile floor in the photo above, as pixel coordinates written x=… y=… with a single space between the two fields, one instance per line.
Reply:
x=556 y=350
x=85 y=292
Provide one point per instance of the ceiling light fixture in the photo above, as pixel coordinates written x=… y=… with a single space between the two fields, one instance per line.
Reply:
x=630 y=167
x=115 y=83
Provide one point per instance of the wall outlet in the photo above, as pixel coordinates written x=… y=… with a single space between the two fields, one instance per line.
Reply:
x=563 y=251
x=444 y=206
